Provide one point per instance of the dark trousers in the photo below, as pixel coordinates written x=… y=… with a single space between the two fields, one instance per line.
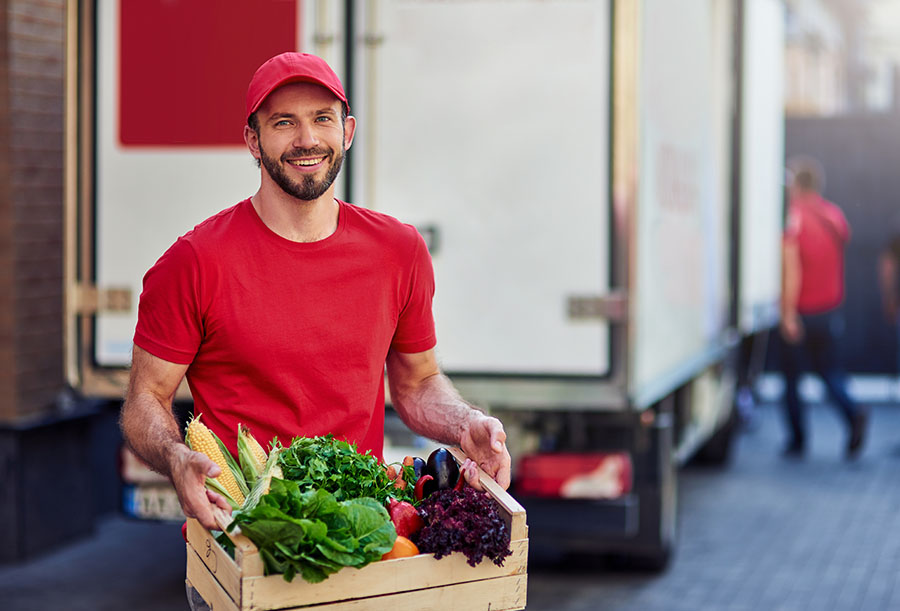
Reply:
x=819 y=348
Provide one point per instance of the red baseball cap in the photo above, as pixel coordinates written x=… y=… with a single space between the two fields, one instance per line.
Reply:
x=292 y=67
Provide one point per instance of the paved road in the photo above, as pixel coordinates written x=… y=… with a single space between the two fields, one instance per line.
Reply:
x=765 y=533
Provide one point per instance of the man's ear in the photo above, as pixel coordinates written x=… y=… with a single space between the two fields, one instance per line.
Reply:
x=251 y=137
x=349 y=130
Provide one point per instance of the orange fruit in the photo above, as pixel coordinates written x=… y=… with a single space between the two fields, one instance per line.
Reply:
x=403 y=548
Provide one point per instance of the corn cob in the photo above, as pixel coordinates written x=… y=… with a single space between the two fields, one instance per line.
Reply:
x=201 y=439
x=251 y=455
x=233 y=465
x=271 y=469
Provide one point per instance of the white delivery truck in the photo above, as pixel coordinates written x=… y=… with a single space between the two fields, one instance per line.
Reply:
x=599 y=183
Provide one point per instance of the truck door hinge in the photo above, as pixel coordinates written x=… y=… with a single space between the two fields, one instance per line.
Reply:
x=93 y=300
x=612 y=307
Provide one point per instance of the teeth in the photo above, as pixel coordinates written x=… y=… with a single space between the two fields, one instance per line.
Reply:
x=304 y=162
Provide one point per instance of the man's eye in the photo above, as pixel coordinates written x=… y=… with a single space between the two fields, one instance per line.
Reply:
x=282 y=122
x=323 y=119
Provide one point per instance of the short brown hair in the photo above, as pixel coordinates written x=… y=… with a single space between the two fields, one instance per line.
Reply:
x=807 y=174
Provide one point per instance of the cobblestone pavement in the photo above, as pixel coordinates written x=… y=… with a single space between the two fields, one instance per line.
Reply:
x=764 y=533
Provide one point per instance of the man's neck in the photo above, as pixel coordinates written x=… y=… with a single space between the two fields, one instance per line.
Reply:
x=294 y=219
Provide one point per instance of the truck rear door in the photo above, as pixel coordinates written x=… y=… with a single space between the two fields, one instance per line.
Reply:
x=487 y=126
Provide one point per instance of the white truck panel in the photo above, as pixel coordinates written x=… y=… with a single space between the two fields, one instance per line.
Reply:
x=146 y=197
x=680 y=291
x=762 y=164
x=492 y=127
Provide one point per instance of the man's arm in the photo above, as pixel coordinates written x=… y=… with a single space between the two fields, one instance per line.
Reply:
x=791 y=327
x=150 y=428
x=429 y=404
x=887 y=280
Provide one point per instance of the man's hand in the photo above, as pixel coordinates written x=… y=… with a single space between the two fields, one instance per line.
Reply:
x=189 y=471
x=484 y=442
x=430 y=406
x=791 y=328
x=153 y=434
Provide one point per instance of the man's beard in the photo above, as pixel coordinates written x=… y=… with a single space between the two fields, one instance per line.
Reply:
x=307 y=188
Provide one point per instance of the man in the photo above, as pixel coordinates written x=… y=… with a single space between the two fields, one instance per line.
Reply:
x=284 y=310
x=889 y=268
x=813 y=290
x=889 y=280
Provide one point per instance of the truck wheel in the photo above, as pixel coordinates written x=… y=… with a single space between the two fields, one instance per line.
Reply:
x=718 y=449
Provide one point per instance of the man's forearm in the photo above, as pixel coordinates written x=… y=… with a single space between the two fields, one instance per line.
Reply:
x=429 y=405
x=434 y=409
x=151 y=431
x=790 y=288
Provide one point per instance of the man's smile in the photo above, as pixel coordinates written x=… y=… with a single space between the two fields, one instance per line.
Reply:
x=306 y=162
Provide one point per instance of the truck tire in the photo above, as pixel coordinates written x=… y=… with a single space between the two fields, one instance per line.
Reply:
x=717 y=451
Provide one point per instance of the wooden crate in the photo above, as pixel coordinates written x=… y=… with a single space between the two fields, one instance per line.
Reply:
x=404 y=584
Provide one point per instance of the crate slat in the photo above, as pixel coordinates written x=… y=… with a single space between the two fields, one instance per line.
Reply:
x=502 y=594
x=379 y=578
x=217 y=561
x=245 y=552
x=203 y=581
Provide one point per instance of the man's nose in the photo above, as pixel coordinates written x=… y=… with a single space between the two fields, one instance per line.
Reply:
x=305 y=136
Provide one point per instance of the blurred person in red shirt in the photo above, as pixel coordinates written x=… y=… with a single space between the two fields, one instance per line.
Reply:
x=889 y=280
x=812 y=293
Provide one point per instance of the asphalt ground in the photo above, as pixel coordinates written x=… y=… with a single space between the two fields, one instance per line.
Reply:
x=763 y=533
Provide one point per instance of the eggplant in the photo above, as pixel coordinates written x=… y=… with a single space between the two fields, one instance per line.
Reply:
x=418 y=467
x=443 y=468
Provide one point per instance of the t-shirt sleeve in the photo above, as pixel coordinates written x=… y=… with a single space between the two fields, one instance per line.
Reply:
x=839 y=222
x=415 y=327
x=169 y=322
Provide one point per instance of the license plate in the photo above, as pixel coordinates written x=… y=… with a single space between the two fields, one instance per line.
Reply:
x=151 y=502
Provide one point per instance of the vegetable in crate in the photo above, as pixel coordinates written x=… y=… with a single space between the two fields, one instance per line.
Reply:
x=443 y=468
x=230 y=482
x=406 y=519
x=251 y=456
x=336 y=466
x=417 y=464
x=271 y=469
x=464 y=521
x=403 y=548
x=425 y=485
x=314 y=534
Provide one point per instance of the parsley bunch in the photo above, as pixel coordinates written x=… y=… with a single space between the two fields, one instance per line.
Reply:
x=336 y=466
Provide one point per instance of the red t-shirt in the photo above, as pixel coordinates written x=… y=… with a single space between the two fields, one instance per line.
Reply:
x=820 y=231
x=289 y=338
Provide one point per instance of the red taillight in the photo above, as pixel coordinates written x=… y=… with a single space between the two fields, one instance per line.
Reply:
x=597 y=475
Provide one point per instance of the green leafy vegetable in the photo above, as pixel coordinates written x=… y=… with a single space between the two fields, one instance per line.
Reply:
x=336 y=466
x=313 y=533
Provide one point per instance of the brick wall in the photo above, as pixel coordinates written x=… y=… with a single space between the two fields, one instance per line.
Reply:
x=32 y=33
